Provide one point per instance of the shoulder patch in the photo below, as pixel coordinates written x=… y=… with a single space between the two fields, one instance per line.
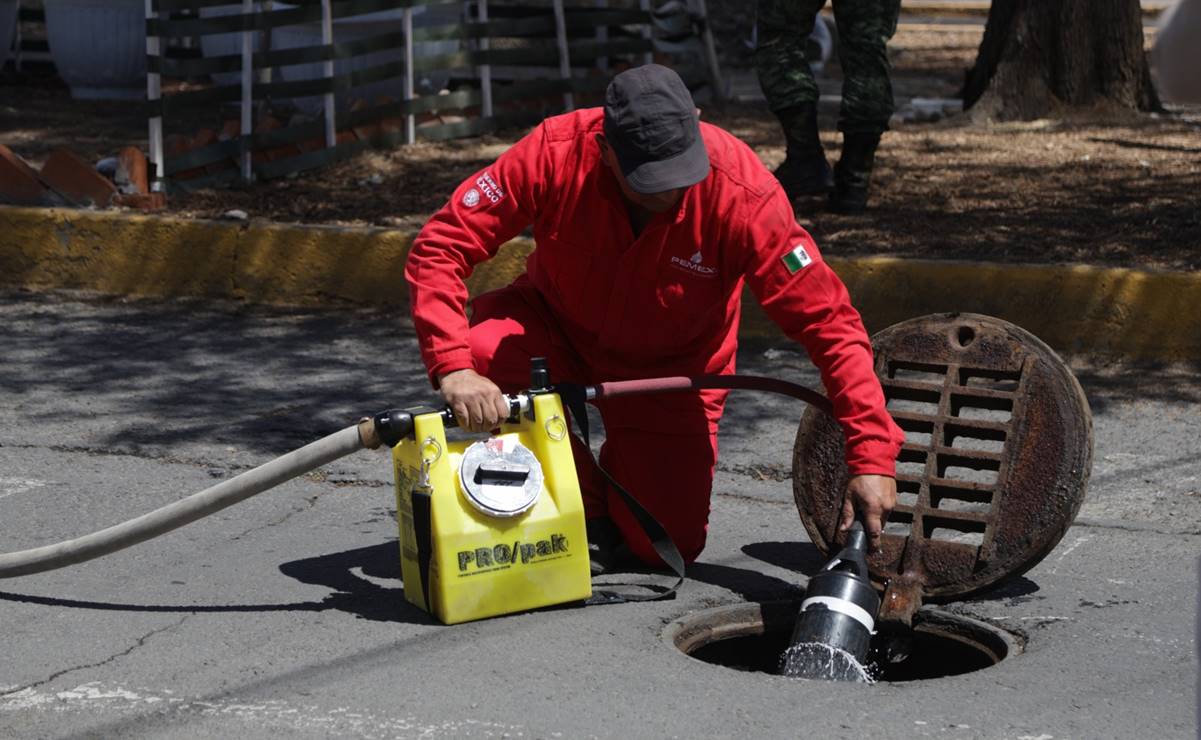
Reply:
x=489 y=188
x=797 y=259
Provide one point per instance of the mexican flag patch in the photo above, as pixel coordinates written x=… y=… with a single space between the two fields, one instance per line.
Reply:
x=797 y=259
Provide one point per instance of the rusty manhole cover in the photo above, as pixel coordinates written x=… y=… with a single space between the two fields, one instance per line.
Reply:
x=997 y=454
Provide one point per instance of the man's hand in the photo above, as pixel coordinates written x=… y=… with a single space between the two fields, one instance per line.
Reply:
x=477 y=402
x=873 y=496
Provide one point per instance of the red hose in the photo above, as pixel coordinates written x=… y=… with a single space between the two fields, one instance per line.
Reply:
x=614 y=388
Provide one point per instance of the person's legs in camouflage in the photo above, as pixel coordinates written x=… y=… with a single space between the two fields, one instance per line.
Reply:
x=864 y=28
x=783 y=68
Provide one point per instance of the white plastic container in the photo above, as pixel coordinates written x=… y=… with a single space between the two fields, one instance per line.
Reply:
x=99 y=47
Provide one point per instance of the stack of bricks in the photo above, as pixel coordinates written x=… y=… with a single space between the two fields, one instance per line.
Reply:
x=67 y=180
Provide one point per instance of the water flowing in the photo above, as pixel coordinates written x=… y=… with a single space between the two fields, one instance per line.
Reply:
x=823 y=662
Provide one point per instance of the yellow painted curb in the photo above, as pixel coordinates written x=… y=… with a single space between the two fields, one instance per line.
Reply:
x=1077 y=309
x=260 y=262
x=1141 y=315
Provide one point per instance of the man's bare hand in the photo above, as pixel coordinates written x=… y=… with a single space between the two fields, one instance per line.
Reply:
x=873 y=496
x=477 y=402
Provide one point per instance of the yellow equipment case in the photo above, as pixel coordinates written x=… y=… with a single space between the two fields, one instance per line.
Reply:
x=493 y=526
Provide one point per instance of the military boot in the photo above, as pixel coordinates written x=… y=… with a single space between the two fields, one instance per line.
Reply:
x=804 y=170
x=853 y=173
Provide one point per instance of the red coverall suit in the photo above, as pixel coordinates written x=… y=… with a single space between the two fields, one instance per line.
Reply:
x=602 y=303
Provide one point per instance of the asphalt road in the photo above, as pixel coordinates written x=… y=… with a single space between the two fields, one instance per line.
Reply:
x=284 y=615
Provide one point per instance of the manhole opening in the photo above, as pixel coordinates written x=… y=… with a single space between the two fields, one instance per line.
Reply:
x=752 y=637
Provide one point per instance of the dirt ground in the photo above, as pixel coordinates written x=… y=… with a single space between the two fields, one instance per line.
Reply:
x=1084 y=189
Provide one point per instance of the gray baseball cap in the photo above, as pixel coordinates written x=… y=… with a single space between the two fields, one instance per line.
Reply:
x=652 y=125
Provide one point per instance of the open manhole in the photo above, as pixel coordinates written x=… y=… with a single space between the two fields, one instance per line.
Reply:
x=753 y=637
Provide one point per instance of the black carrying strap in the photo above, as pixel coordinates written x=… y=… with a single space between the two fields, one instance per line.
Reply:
x=573 y=397
x=423 y=531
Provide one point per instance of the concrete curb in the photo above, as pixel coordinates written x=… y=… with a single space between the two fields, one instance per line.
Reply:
x=1135 y=314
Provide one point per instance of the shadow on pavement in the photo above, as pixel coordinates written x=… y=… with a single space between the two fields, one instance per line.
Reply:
x=750 y=585
x=1105 y=385
x=353 y=594
x=351 y=575
x=799 y=557
x=1015 y=590
x=163 y=373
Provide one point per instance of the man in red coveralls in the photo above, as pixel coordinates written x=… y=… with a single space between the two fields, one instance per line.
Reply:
x=647 y=223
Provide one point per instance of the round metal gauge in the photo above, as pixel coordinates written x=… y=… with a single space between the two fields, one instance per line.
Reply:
x=500 y=477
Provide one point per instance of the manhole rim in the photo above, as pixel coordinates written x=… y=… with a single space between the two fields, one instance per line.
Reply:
x=747 y=619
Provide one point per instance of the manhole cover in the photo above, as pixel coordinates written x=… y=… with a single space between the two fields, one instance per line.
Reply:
x=753 y=637
x=997 y=454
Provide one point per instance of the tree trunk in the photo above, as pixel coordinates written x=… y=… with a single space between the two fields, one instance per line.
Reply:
x=1039 y=57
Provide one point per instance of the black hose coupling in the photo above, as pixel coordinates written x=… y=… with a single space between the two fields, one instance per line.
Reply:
x=393 y=425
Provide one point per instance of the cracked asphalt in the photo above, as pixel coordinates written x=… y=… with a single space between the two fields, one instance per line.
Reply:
x=284 y=615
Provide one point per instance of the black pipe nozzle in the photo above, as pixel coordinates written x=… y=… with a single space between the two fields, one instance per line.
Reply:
x=393 y=425
x=539 y=375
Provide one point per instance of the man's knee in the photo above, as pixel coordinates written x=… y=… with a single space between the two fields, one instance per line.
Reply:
x=485 y=338
x=675 y=488
x=504 y=334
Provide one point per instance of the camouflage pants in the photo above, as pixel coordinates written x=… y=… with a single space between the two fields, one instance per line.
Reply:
x=864 y=28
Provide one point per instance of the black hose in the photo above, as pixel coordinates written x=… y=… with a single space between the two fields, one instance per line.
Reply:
x=615 y=388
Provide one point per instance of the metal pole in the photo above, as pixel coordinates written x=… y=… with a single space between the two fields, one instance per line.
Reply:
x=564 y=53
x=154 y=95
x=410 y=119
x=266 y=74
x=327 y=38
x=647 y=31
x=485 y=69
x=247 y=91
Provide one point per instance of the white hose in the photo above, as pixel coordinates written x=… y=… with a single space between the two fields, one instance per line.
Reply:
x=185 y=511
